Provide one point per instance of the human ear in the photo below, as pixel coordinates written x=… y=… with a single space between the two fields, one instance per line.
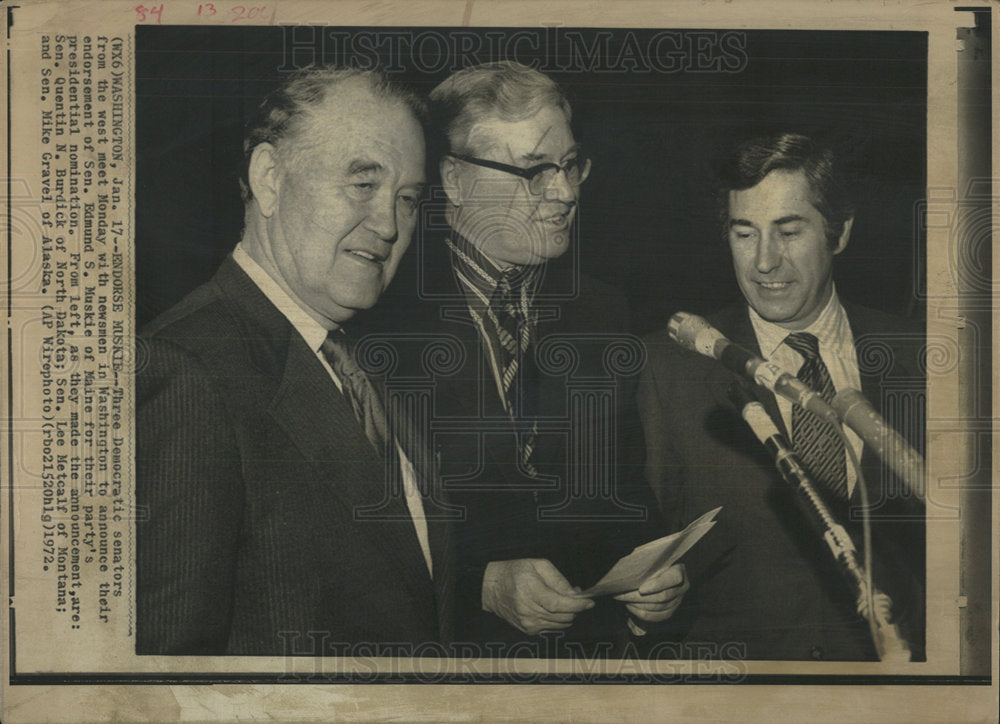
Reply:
x=845 y=236
x=450 y=180
x=263 y=177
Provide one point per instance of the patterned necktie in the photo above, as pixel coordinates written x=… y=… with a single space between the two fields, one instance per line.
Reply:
x=819 y=446
x=514 y=334
x=368 y=408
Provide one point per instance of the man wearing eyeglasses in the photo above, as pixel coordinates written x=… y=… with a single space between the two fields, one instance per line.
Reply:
x=547 y=507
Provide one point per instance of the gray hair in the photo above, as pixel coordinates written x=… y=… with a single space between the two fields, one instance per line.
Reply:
x=506 y=90
x=283 y=112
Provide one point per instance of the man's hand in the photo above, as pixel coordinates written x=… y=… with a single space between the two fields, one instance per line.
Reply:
x=658 y=596
x=531 y=594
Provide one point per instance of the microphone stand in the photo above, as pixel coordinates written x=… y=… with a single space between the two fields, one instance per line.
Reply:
x=874 y=605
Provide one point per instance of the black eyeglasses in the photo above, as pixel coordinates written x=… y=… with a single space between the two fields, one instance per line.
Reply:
x=540 y=176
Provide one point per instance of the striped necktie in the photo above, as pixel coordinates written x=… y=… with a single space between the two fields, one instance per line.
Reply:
x=358 y=389
x=514 y=334
x=818 y=445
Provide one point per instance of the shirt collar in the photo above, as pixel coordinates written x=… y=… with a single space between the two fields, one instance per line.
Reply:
x=830 y=328
x=482 y=273
x=312 y=331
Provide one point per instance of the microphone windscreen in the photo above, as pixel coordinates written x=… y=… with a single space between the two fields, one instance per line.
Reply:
x=852 y=406
x=694 y=333
x=857 y=412
x=760 y=422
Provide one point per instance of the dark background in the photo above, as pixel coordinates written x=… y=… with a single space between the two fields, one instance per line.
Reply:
x=648 y=220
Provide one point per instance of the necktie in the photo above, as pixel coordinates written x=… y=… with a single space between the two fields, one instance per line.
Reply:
x=378 y=420
x=393 y=422
x=512 y=331
x=819 y=446
x=368 y=408
x=514 y=334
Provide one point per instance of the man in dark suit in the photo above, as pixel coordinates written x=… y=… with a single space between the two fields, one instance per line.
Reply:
x=763 y=585
x=535 y=425
x=263 y=452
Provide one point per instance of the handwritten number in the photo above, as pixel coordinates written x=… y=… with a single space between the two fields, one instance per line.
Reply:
x=241 y=12
x=142 y=13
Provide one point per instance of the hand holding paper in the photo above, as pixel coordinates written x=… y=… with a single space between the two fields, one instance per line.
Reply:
x=531 y=594
x=658 y=596
x=634 y=570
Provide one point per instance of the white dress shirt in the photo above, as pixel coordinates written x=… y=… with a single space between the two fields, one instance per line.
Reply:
x=314 y=335
x=836 y=349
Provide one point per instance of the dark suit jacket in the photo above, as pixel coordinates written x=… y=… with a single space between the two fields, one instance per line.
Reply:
x=250 y=469
x=582 y=349
x=762 y=584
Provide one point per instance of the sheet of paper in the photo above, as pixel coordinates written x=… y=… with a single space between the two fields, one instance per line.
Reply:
x=630 y=571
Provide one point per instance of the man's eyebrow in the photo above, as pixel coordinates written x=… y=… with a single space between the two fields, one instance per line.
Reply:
x=789 y=219
x=534 y=156
x=740 y=222
x=363 y=166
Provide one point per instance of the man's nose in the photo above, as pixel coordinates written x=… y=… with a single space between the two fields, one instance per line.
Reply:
x=768 y=254
x=560 y=189
x=381 y=218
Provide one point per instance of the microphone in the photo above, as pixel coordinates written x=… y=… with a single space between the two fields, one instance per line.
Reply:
x=889 y=644
x=694 y=333
x=757 y=418
x=857 y=412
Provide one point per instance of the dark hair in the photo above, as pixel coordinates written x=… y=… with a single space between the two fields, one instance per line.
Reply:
x=754 y=159
x=282 y=112
x=505 y=89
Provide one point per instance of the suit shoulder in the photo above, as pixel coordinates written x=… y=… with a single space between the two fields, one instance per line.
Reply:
x=187 y=340
x=668 y=356
x=207 y=342
x=208 y=331
x=200 y=311
x=659 y=339
x=204 y=321
x=671 y=363
x=726 y=320
x=730 y=318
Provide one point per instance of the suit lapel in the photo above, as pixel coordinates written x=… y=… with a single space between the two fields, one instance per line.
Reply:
x=439 y=515
x=318 y=419
x=736 y=325
x=441 y=535
x=466 y=394
x=471 y=394
x=461 y=397
x=734 y=322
